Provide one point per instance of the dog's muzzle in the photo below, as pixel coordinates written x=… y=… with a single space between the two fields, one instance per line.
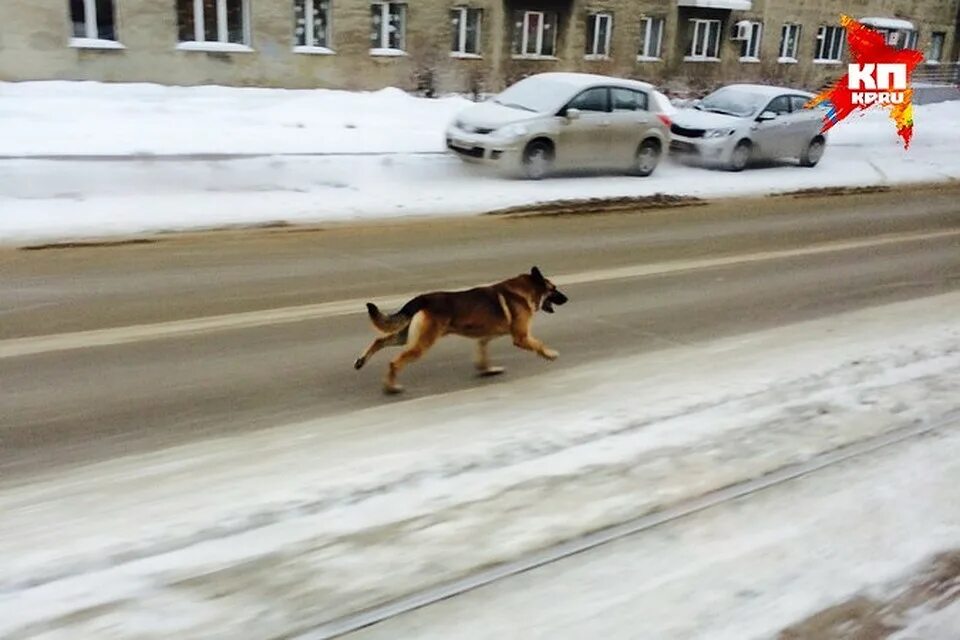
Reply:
x=553 y=298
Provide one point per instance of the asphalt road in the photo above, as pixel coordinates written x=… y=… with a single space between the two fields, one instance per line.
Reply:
x=288 y=318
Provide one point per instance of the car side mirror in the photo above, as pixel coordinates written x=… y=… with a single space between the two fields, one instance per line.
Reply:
x=572 y=114
x=766 y=115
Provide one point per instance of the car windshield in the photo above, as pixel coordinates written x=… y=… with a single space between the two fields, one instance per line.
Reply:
x=540 y=95
x=733 y=102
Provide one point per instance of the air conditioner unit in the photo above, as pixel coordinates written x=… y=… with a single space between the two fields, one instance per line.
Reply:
x=741 y=30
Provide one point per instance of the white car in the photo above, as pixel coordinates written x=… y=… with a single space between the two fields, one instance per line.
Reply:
x=743 y=122
x=566 y=121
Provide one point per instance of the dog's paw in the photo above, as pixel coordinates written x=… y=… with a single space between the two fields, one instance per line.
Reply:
x=490 y=371
x=392 y=389
x=550 y=354
x=359 y=362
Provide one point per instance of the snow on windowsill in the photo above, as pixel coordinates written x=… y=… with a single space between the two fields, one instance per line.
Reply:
x=214 y=47
x=699 y=59
x=532 y=56
x=649 y=59
x=596 y=57
x=317 y=51
x=825 y=61
x=787 y=60
x=749 y=59
x=95 y=43
x=931 y=62
x=388 y=53
x=459 y=55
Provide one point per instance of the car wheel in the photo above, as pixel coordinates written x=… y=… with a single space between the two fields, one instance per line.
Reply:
x=812 y=154
x=740 y=156
x=537 y=159
x=647 y=158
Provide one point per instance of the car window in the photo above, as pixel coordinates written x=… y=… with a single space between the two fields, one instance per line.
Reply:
x=590 y=100
x=797 y=102
x=779 y=105
x=628 y=99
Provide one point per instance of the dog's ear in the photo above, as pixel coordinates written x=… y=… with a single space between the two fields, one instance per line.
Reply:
x=535 y=272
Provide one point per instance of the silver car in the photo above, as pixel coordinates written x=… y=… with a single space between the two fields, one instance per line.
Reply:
x=743 y=122
x=565 y=121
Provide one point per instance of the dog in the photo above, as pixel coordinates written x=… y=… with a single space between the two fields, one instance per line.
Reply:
x=482 y=313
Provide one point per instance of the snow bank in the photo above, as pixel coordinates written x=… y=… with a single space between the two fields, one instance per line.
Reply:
x=92 y=118
x=47 y=199
x=264 y=533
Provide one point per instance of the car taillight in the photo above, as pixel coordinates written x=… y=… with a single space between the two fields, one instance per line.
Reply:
x=665 y=119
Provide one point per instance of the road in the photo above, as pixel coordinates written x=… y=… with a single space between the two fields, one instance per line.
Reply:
x=288 y=316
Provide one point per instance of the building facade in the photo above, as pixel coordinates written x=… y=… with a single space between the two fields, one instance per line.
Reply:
x=452 y=45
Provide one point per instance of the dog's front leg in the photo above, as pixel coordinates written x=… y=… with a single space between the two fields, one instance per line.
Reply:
x=528 y=342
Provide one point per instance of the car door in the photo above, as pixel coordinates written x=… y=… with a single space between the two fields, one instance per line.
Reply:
x=768 y=135
x=630 y=120
x=582 y=142
x=805 y=124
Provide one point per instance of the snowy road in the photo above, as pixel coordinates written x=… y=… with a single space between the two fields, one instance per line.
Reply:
x=240 y=480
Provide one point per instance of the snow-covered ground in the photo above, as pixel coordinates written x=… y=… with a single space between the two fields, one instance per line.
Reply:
x=387 y=160
x=264 y=534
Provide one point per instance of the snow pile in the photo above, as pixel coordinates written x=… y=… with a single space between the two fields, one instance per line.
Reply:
x=92 y=118
x=232 y=537
x=406 y=175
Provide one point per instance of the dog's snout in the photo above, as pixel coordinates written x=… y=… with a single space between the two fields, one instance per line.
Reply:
x=559 y=298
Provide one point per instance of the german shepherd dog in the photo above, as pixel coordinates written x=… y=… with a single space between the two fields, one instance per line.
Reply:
x=481 y=313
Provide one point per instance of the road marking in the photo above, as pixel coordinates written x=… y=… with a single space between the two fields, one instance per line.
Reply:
x=34 y=345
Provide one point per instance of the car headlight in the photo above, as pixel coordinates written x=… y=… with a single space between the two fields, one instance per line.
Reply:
x=511 y=131
x=717 y=133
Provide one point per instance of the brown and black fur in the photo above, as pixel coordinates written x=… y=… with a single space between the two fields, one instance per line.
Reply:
x=481 y=313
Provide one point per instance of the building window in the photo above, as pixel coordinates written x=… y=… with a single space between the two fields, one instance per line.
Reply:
x=599 y=26
x=651 y=38
x=935 y=51
x=829 y=44
x=213 y=22
x=534 y=33
x=789 y=42
x=93 y=20
x=750 y=47
x=465 y=24
x=910 y=42
x=389 y=26
x=311 y=24
x=705 y=43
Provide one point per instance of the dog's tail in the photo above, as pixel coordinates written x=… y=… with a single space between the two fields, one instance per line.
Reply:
x=396 y=321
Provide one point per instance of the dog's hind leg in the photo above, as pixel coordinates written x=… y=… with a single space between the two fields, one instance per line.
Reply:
x=482 y=359
x=424 y=331
x=393 y=340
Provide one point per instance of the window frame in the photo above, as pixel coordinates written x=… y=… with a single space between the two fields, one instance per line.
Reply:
x=646 y=29
x=753 y=43
x=462 y=27
x=940 y=38
x=91 y=38
x=697 y=23
x=785 y=56
x=592 y=52
x=825 y=42
x=222 y=43
x=385 y=7
x=309 y=35
x=545 y=17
